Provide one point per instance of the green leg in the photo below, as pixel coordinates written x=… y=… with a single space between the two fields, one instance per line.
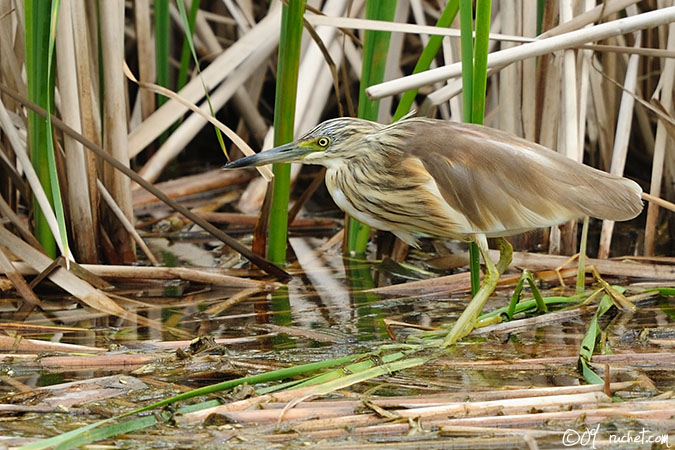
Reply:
x=467 y=320
x=505 y=255
x=526 y=276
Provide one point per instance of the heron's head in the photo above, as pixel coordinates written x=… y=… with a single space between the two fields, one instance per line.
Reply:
x=328 y=143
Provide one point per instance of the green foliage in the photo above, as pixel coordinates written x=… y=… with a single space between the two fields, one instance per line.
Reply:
x=474 y=79
x=284 y=118
x=428 y=54
x=41 y=17
x=37 y=43
x=189 y=48
x=375 y=49
x=188 y=45
x=89 y=433
x=588 y=343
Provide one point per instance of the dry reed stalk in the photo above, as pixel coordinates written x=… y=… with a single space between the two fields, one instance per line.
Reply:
x=9 y=215
x=314 y=71
x=33 y=329
x=251 y=219
x=82 y=290
x=122 y=219
x=568 y=418
x=599 y=124
x=10 y=64
x=19 y=147
x=530 y=323
x=232 y=301
x=444 y=398
x=302 y=333
x=659 y=201
x=19 y=344
x=146 y=54
x=115 y=121
x=528 y=50
x=665 y=90
x=504 y=407
x=208 y=276
x=230 y=89
x=621 y=140
x=90 y=118
x=509 y=91
x=528 y=81
x=647 y=359
x=568 y=132
x=23 y=289
x=119 y=361
x=583 y=63
x=230 y=62
x=67 y=395
x=189 y=128
x=536 y=262
x=192 y=184
x=79 y=203
x=395 y=27
x=450 y=49
x=611 y=66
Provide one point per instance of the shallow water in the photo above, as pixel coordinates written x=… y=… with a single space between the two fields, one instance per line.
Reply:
x=322 y=313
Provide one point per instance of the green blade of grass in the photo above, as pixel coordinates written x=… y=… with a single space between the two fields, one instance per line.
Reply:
x=37 y=18
x=188 y=45
x=284 y=118
x=428 y=54
x=365 y=364
x=41 y=19
x=191 y=47
x=373 y=372
x=588 y=343
x=128 y=426
x=581 y=272
x=375 y=49
x=53 y=173
x=279 y=374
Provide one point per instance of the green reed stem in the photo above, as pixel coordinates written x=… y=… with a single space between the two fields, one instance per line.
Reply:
x=375 y=49
x=483 y=8
x=39 y=90
x=284 y=114
x=474 y=79
x=466 y=28
x=428 y=54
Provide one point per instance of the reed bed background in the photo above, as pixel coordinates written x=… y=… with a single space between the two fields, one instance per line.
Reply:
x=607 y=102
x=144 y=92
x=136 y=89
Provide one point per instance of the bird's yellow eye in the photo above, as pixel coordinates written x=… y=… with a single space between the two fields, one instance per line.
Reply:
x=323 y=142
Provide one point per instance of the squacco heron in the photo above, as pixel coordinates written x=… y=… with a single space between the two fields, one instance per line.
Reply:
x=441 y=179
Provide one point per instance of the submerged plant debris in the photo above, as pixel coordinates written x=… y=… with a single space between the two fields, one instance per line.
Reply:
x=178 y=334
x=511 y=383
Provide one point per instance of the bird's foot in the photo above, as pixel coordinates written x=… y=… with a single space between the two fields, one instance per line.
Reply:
x=526 y=276
x=467 y=320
